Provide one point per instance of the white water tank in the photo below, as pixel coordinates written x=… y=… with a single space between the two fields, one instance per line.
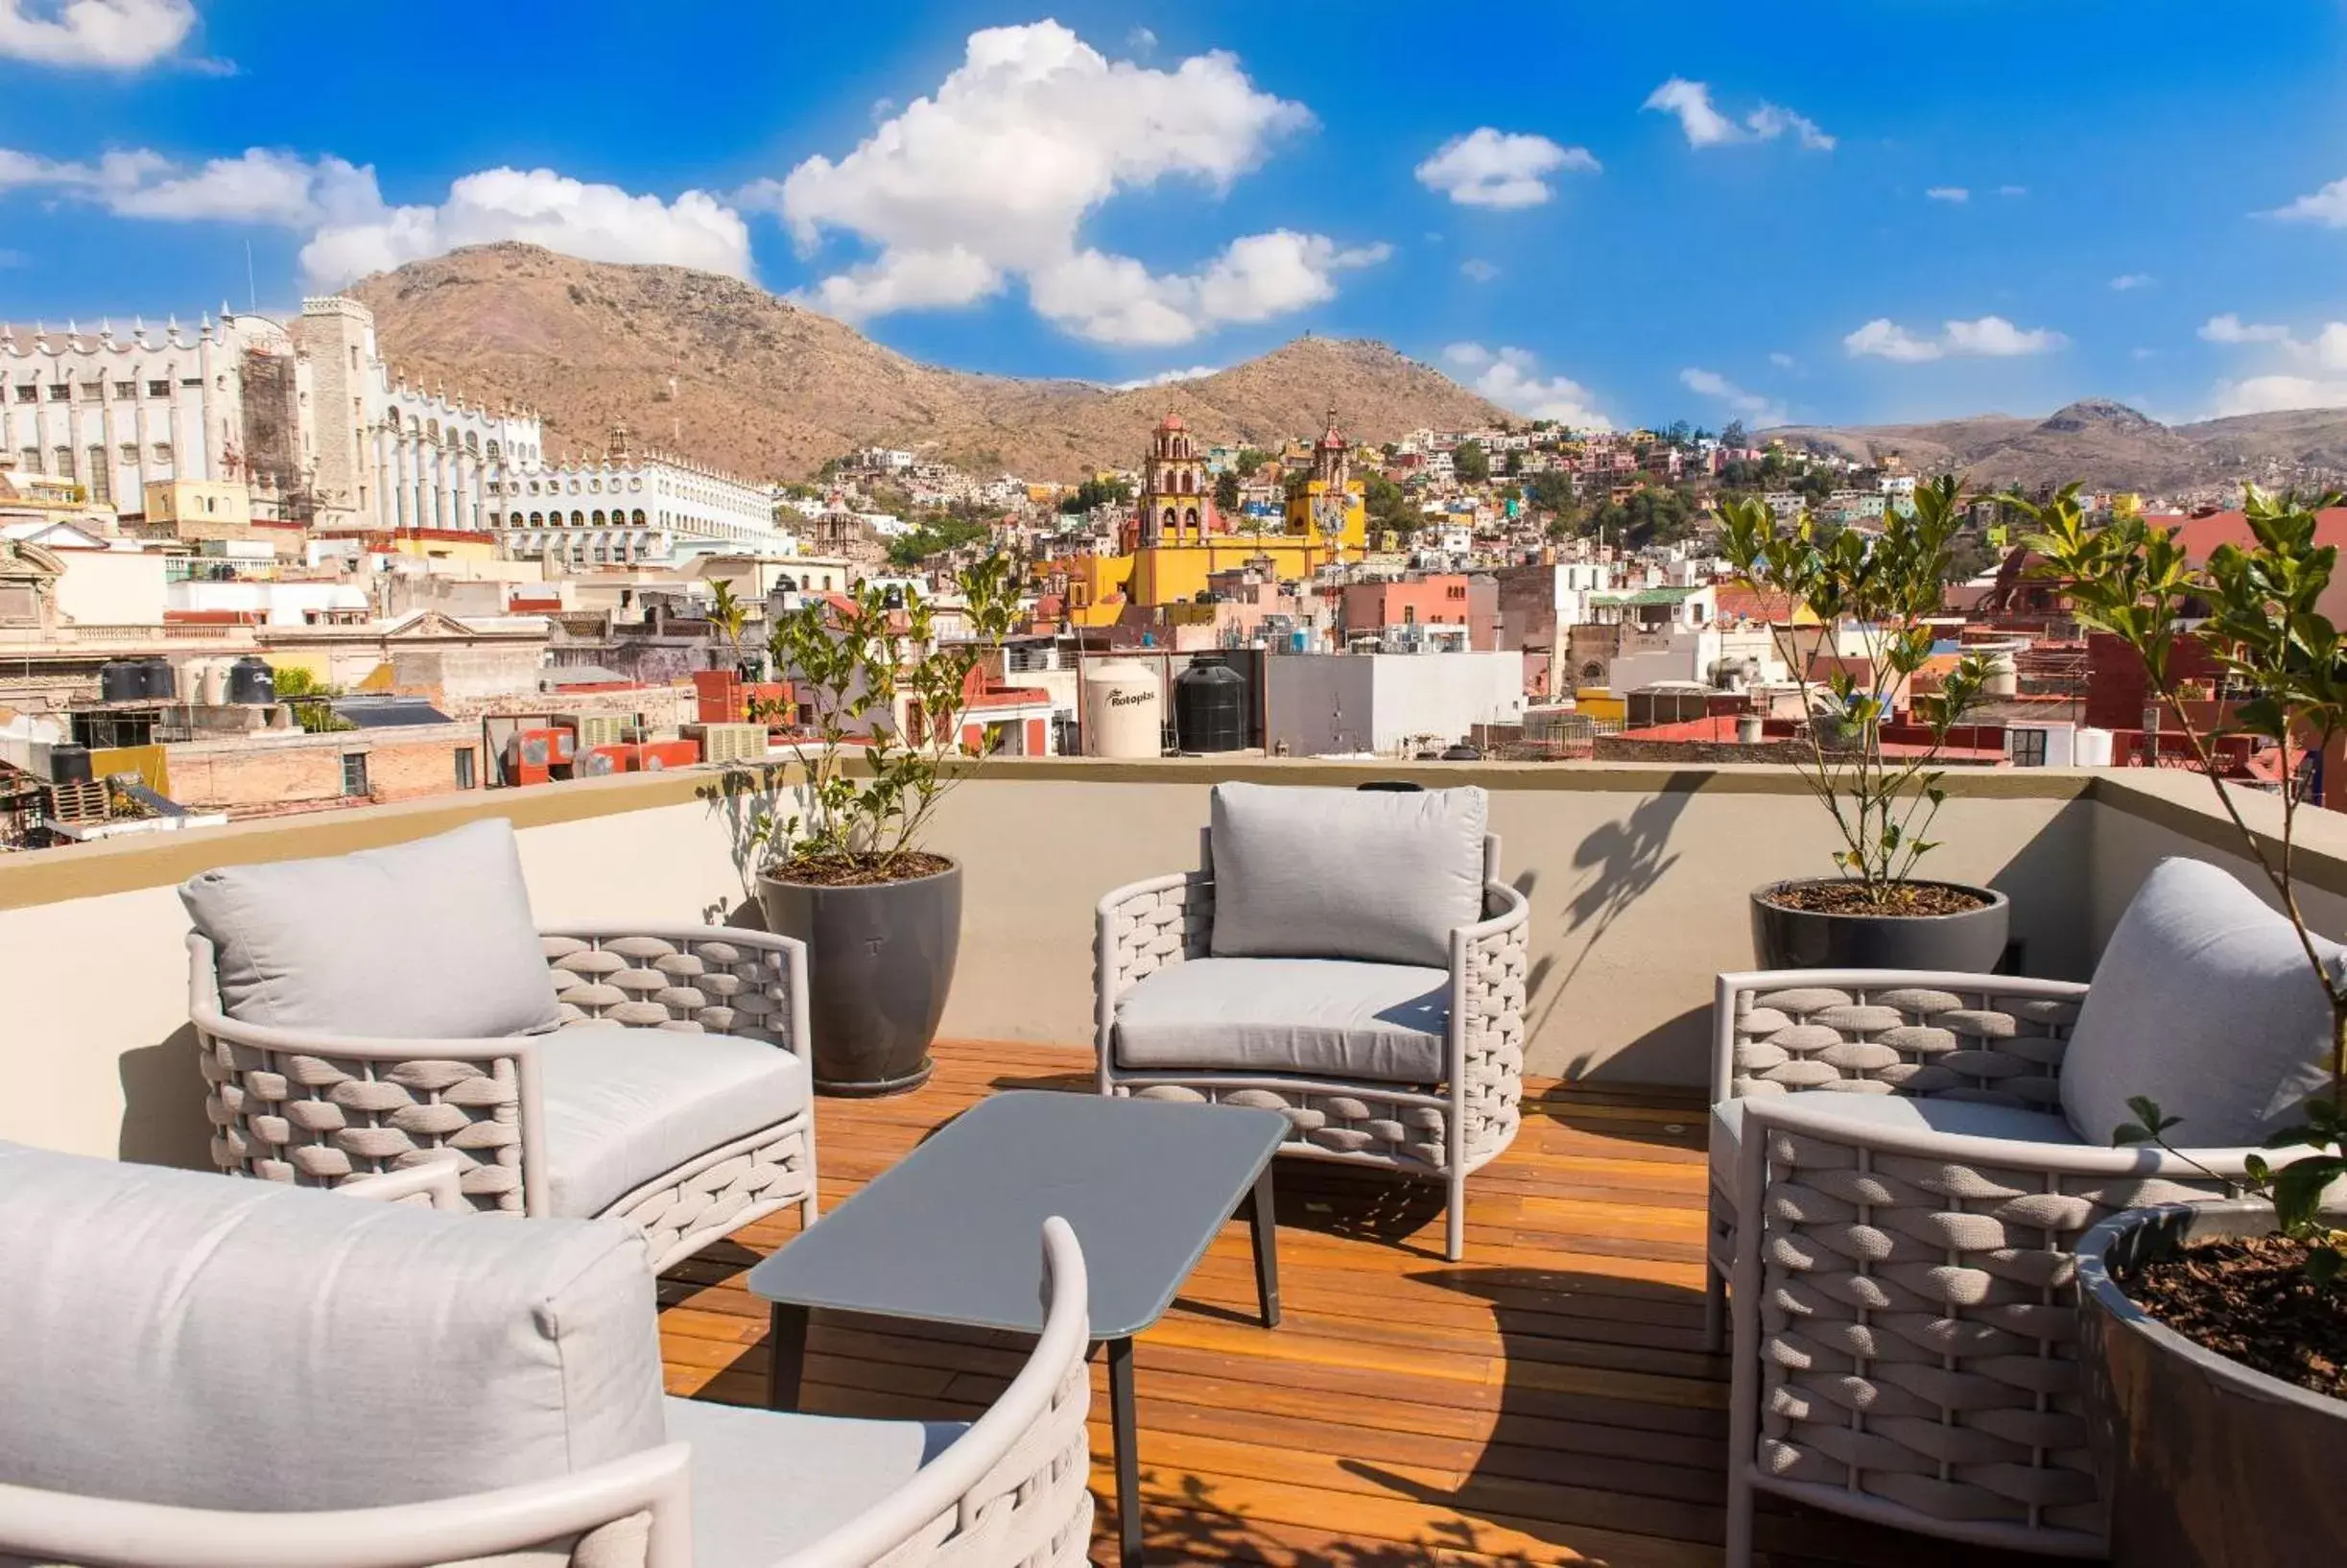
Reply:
x=2003 y=675
x=209 y=686
x=1124 y=710
x=2094 y=748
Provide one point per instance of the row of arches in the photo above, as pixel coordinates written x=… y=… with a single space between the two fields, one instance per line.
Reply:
x=578 y=519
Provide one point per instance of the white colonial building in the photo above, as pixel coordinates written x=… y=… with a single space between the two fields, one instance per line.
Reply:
x=629 y=506
x=113 y=412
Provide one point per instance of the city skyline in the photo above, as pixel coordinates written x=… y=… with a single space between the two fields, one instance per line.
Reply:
x=1853 y=215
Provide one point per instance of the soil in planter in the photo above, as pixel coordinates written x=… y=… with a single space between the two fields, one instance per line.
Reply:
x=2249 y=1301
x=860 y=871
x=1897 y=898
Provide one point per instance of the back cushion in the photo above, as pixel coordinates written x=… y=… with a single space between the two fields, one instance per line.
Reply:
x=168 y=1337
x=425 y=940
x=1373 y=874
x=2204 y=1002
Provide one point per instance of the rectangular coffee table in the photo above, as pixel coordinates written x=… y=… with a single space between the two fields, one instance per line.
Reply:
x=952 y=1233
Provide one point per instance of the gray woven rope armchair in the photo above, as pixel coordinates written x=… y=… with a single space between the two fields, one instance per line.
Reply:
x=1901 y=1164
x=452 y=1391
x=1349 y=958
x=358 y=1014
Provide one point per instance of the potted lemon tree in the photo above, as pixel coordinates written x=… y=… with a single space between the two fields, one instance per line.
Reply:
x=1879 y=591
x=2217 y=1335
x=879 y=706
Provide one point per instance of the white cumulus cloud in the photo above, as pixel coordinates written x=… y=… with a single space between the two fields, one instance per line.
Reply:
x=1168 y=378
x=1512 y=378
x=989 y=180
x=1489 y=168
x=1705 y=126
x=1949 y=193
x=2327 y=206
x=2127 y=282
x=109 y=35
x=2307 y=372
x=1478 y=271
x=592 y=221
x=1753 y=407
x=350 y=230
x=2230 y=328
x=1990 y=337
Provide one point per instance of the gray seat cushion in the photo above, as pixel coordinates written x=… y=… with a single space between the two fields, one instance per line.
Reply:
x=1320 y=1018
x=767 y=1483
x=175 y=1338
x=431 y=939
x=1381 y=875
x=623 y=1106
x=1965 y=1118
x=2203 y=1001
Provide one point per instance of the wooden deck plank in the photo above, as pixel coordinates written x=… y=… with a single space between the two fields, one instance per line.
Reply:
x=1548 y=1400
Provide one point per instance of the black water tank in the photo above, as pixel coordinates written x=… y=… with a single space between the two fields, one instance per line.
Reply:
x=1462 y=752
x=121 y=680
x=161 y=683
x=1210 y=708
x=69 y=764
x=251 y=680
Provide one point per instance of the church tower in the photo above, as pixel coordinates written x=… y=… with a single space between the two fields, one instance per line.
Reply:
x=1175 y=494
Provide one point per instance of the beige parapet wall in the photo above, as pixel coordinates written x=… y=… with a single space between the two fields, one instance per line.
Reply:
x=1637 y=875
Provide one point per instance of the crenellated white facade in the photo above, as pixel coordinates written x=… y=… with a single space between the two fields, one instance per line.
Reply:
x=114 y=412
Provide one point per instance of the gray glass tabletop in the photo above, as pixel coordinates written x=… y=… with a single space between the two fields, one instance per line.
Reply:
x=953 y=1232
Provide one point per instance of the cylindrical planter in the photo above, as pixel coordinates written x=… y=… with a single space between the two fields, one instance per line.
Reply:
x=880 y=960
x=2207 y=1463
x=1969 y=942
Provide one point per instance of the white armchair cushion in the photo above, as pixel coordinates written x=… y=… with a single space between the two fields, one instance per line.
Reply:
x=1320 y=1018
x=431 y=939
x=175 y=1338
x=623 y=1106
x=1380 y=876
x=2204 y=1002
x=767 y=1483
x=1898 y=1112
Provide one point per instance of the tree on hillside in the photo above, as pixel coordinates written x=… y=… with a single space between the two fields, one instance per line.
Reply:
x=1678 y=434
x=1096 y=492
x=1390 y=506
x=1226 y=492
x=1514 y=464
x=1248 y=460
x=1552 y=492
x=1734 y=434
x=1471 y=462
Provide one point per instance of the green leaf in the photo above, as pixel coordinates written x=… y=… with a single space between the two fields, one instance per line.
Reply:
x=2322 y=1267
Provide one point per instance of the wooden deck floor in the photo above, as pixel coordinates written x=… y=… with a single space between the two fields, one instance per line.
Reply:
x=1547 y=1400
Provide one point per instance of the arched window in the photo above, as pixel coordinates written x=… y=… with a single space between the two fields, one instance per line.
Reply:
x=493 y=452
x=514 y=521
x=1189 y=519
x=1188 y=483
x=639 y=517
x=1592 y=671
x=1169 y=518
x=537 y=519
x=578 y=519
x=598 y=519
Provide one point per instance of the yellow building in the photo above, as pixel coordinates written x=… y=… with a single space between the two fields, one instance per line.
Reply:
x=439 y=544
x=1179 y=540
x=199 y=509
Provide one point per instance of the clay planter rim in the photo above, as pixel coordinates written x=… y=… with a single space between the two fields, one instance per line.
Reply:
x=2111 y=1299
x=770 y=873
x=1995 y=899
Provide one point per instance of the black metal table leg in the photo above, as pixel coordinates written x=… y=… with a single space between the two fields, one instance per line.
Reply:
x=1128 y=1451
x=786 y=1355
x=1267 y=1249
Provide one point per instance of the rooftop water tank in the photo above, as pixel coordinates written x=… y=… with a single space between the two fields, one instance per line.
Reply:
x=162 y=683
x=1210 y=708
x=121 y=681
x=1123 y=715
x=250 y=679
x=69 y=764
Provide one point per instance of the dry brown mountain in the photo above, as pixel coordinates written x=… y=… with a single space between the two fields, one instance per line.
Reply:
x=730 y=373
x=2109 y=445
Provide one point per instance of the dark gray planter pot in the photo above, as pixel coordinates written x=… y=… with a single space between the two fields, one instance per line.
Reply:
x=880 y=961
x=2207 y=1463
x=1972 y=942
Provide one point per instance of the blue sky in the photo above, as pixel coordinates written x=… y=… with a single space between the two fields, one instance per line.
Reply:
x=1590 y=210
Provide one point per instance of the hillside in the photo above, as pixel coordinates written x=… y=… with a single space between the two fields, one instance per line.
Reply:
x=2108 y=446
x=768 y=390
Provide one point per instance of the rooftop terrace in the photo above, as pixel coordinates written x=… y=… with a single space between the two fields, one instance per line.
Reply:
x=1546 y=1400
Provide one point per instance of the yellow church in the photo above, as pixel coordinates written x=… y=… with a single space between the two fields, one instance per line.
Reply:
x=1178 y=537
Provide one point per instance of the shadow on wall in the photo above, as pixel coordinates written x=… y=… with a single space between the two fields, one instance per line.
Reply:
x=163 y=1121
x=1619 y=863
